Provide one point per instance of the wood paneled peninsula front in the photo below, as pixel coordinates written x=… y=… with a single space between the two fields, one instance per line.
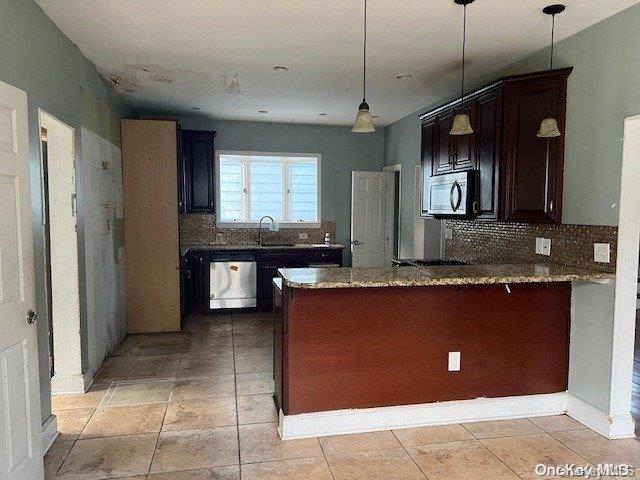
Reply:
x=349 y=338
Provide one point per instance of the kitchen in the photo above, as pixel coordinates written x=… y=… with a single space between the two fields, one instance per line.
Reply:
x=335 y=253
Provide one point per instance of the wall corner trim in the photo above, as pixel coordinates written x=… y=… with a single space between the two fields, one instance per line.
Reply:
x=49 y=433
x=620 y=426
x=72 y=383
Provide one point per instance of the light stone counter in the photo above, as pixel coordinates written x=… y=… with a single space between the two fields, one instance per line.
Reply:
x=317 y=278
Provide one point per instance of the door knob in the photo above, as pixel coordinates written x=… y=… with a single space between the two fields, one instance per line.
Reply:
x=31 y=317
x=356 y=242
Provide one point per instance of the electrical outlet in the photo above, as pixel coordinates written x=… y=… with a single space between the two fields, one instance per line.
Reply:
x=543 y=246
x=602 y=252
x=454 y=361
x=448 y=233
x=303 y=236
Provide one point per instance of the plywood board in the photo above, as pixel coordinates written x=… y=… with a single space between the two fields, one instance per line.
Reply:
x=149 y=164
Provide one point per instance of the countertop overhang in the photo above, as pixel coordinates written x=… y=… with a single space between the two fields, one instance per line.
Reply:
x=255 y=247
x=362 y=277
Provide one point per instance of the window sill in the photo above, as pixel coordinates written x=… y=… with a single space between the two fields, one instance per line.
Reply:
x=265 y=225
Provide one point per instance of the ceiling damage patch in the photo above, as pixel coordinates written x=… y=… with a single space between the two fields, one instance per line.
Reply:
x=121 y=81
x=156 y=73
x=230 y=84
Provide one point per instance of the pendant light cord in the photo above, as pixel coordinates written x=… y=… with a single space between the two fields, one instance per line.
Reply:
x=553 y=28
x=364 y=56
x=464 y=41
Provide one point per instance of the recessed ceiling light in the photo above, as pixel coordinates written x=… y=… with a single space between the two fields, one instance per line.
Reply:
x=322 y=114
x=281 y=68
x=403 y=76
x=263 y=111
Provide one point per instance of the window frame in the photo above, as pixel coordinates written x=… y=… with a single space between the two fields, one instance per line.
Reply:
x=254 y=224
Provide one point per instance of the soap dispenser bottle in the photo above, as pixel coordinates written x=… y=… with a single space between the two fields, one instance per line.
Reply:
x=327 y=239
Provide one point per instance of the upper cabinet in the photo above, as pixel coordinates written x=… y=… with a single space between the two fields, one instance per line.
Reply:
x=519 y=175
x=198 y=175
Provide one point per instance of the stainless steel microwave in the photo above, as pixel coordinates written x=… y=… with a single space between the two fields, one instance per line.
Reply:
x=451 y=195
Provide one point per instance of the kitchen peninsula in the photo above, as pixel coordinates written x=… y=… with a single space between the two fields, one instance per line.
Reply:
x=398 y=340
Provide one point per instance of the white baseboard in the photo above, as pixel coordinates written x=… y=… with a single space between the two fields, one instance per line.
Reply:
x=611 y=427
x=61 y=384
x=339 y=422
x=49 y=433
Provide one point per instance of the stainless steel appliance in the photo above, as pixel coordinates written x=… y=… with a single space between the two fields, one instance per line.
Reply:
x=232 y=283
x=451 y=195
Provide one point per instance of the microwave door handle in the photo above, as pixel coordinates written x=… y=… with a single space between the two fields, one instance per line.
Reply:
x=459 y=196
x=455 y=206
x=453 y=187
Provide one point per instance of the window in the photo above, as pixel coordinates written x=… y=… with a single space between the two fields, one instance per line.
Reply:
x=284 y=186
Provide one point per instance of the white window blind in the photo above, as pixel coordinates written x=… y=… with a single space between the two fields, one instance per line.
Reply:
x=283 y=186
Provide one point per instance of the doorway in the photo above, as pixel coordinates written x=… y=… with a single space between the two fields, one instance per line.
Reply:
x=58 y=183
x=394 y=209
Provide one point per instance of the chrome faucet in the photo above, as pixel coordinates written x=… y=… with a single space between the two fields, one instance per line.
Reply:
x=273 y=222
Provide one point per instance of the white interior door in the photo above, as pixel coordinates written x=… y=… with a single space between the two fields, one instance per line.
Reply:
x=20 y=425
x=368 y=219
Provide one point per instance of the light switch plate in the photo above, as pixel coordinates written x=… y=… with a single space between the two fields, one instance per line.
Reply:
x=454 y=361
x=543 y=246
x=303 y=236
x=602 y=252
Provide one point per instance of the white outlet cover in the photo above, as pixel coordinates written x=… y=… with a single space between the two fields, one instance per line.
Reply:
x=448 y=233
x=543 y=246
x=454 y=361
x=602 y=252
x=303 y=236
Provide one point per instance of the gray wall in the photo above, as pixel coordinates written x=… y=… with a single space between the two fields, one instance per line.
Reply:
x=342 y=152
x=37 y=58
x=602 y=90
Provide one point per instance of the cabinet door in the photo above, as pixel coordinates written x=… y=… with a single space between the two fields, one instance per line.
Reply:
x=487 y=128
x=197 y=280
x=269 y=265
x=462 y=146
x=443 y=161
x=198 y=157
x=534 y=166
x=427 y=158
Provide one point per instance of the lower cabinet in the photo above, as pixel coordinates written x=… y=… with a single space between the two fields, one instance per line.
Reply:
x=195 y=274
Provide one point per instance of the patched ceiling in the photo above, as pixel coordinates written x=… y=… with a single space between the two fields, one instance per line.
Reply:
x=217 y=57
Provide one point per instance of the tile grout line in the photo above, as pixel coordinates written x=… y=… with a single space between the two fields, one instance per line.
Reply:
x=155 y=448
x=326 y=460
x=410 y=456
x=235 y=387
x=479 y=440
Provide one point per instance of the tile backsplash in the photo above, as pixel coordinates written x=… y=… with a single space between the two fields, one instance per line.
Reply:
x=200 y=229
x=497 y=242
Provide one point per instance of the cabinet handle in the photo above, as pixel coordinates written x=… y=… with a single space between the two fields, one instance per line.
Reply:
x=551 y=206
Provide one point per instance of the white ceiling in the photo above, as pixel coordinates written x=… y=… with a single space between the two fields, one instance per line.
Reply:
x=174 y=55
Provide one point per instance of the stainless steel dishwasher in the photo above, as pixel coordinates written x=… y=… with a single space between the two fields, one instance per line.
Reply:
x=232 y=282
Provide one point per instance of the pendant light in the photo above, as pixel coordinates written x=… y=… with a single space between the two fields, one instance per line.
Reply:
x=549 y=125
x=364 y=122
x=461 y=123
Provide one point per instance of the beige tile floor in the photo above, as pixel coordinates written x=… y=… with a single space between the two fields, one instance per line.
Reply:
x=198 y=405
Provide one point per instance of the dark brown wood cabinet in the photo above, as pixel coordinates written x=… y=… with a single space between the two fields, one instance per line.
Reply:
x=198 y=171
x=519 y=174
x=196 y=280
x=533 y=167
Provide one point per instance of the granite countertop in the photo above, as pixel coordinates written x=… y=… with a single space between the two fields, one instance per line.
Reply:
x=215 y=248
x=437 y=275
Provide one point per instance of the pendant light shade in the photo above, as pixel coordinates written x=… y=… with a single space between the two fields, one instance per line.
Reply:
x=549 y=125
x=461 y=122
x=364 y=121
x=461 y=125
x=549 y=128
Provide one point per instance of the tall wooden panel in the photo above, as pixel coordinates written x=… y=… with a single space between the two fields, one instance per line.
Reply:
x=149 y=165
